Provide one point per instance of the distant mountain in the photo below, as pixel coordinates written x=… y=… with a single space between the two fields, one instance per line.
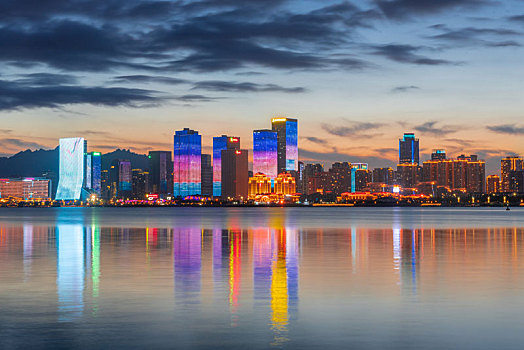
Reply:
x=34 y=163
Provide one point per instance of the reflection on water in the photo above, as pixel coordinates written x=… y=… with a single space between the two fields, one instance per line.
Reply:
x=259 y=286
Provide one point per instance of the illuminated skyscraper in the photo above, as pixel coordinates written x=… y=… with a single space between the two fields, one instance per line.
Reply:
x=160 y=172
x=72 y=168
x=187 y=158
x=206 y=175
x=507 y=165
x=221 y=143
x=409 y=149
x=234 y=173
x=120 y=178
x=93 y=181
x=287 y=149
x=438 y=154
x=265 y=161
x=493 y=185
x=359 y=176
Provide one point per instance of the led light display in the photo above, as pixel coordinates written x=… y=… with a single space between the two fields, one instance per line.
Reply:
x=265 y=153
x=291 y=145
x=219 y=144
x=96 y=172
x=71 y=173
x=187 y=158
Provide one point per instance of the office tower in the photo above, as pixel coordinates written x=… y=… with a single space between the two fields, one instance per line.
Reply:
x=445 y=173
x=407 y=174
x=460 y=168
x=383 y=175
x=287 y=149
x=438 y=154
x=106 y=186
x=359 y=176
x=299 y=177
x=409 y=149
x=476 y=175
x=93 y=181
x=507 y=165
x=285 y=184
x=430 y=170
x=234 y=174
x=72 y=169
x=340 y=177
x=120 y=179
x=187 y=157
x=25 y=188
x=466 y=173
x=221 y=143
x=259 y=184
x=313 y=175
x=516 y=181
x=160 y=173
x=493 y=184
x=265 y=144
x=140 y=183
x=206 y=175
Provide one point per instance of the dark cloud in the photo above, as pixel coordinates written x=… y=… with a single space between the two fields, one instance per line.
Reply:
x=228 y=86
x=508 y=129
x=196 y=98
x=432 y=129
x=316 y=140
x=44 y=79
x=518 y=18
x=476 y=36
x=10 y=143
x=16 y=95
x=400 y=9
x=405 y=88
x=407 y=54
x=149 y=79
x=354 y=129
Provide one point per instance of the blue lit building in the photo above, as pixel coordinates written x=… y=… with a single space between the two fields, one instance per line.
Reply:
x=187 y=158
x=265 y=156
x=93 y=181
x=287 y=150
x=72 y=172
x=221 y=143
x=409 y=149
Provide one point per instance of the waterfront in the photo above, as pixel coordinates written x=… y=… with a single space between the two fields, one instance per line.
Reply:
x=363 y=278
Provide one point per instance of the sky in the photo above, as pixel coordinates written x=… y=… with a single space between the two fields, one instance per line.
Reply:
x=357 y=75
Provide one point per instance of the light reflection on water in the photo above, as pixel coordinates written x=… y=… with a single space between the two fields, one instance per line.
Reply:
x=78 y=284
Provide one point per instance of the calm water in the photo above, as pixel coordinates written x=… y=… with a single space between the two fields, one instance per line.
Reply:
x=261 y=278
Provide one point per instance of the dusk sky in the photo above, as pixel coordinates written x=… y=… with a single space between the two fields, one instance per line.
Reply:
x=128 y=73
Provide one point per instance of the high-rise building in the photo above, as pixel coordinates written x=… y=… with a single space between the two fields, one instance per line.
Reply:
x=72 y=172
x=516 y=181
x=340 y=177
x=265 y=145
x=26 y=188
x=507 y=165
x=359 y=176
x=299 y=177
x=407 y=174
x=93 y=181
x=206 y=175
x=438 y=154
x=120 y=178
x=221 y=143
x=160 y=173
x=476 y=175
x=409 y=149
x=383 y=175
x=285 y=184
x=140 y=180
x=287 y=149
x=259 y=184
x=187 y=157
x=234 y=173
x=493 y=184
x=466 y=173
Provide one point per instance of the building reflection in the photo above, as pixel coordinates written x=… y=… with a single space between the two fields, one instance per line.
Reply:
x=187 y=255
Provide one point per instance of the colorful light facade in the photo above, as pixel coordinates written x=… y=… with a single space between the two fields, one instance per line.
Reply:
x=187 y=158
x=72 y=168
x=408 y=149
x=265 y=144
x=287 y=130
x=221 y=143
x=94 y=172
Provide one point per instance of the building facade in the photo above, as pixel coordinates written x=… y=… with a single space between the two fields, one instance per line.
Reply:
x=235 y=174
x=265 y=156
x=507 y=165
x=493 y=184
x=160 y=179
x=187 y=158
x=409 y=149
x=26 y=188
x=221 y=143
x=259 y=184
x=206 y=175
x=121 y=179
x=72 y=168
x=287 y=143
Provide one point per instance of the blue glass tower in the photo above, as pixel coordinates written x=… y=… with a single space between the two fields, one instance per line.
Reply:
x=408 y=149
x=287 y=131
x=187 y=158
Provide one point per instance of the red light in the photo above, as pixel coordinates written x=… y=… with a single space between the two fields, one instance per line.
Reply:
x=238 y=152
x=233 y=139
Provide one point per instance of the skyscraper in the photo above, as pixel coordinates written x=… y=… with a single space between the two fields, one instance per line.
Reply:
x=234 y=173
x=72 y=168
x=287 y=140
x=221 y=143
x=120 y=178
x=265 y=144
x=409 y=149
x=93 y=181
x=438 y=154
x=187 y=158
x=206 y=175
x=493 y=184
x=160 y=173
x=507 y=165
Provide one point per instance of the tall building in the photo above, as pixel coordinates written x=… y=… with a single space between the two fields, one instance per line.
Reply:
x=120 y=178
x=516 y=181
x=187 y=157
x=407 y=174
x=206 y=174
x=160 y=173
x=383 y=175
x=466 y=173
x=299 y=177
x=259 y=184
x=221 y=143
x=359 y=176
x=493 y=184
x=287 y=149
x=234 y=174
x=507 y=165
x=72 y=171
x=438 y=154
x=409 y=149
x=285 y=184
x=340 y=177
x=93 y=181
x=265 y=158
x=26 y=188
x=140 y=182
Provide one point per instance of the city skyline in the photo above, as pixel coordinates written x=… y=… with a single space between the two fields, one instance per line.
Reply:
x=356 y=74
